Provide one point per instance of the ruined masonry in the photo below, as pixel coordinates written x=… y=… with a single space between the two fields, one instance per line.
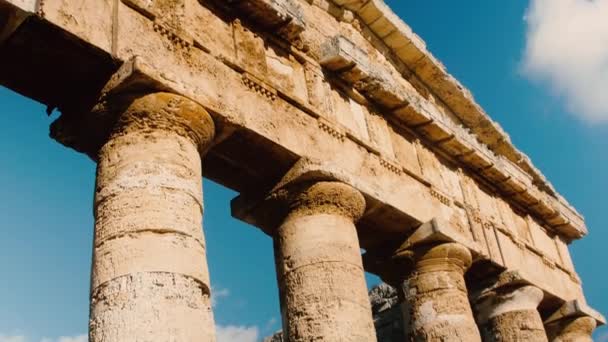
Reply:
x=341 y=133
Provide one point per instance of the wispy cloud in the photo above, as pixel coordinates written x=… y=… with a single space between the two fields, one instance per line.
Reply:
x=12 y=338
x=566 y=49
x=233 y=333
x=80 y=338
x=23 y=338
x=217 y=294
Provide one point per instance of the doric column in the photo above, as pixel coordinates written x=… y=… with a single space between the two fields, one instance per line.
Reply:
x=319 y=267
x=574 y=321
x=572 y=329
x=436 y=303
x=150 y=280
x=509 y=313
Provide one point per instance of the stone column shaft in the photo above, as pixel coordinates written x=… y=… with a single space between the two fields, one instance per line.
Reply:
x=436 y=305
x=319 y=267
x=510 y=314
x=150 y=280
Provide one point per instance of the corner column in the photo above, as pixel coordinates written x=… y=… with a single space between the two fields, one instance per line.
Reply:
x=572 y=329
x=574 y=321
x=436 y=304
x=509 y=313
x=150 y=280
x=319 y=268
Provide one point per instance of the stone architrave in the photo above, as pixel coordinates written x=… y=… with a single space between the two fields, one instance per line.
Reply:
x=150 y=280
x=507 y=310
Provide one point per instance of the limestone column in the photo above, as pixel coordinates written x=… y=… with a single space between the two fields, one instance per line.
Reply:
x=572 y=329
x=436 y=304
x=150 y=280
x=510 y=314
x=319 y=268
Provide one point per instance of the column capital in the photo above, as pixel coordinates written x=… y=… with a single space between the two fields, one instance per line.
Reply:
x=507 y=292
x=321 y=197
x=573 y=321
x=507 y=299
x=151 y=111
x=133 y=98
x=572 y=329
x=433 y=246
x=308 y=188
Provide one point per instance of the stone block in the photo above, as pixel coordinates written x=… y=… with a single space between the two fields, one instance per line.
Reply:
x=543 y=241
x=250 y=51
x=564 y=253
x=379 y=135
x=91 y=20
x=284 y=17
x=438 y=230
x=405 y=150
x=339 y=53
x=286 y=74
x=208 y=29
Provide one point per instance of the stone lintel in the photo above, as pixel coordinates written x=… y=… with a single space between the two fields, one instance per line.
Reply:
x=12 y=14
x=576 y=308
x=436 y=231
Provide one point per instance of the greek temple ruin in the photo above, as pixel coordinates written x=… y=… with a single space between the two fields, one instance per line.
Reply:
x=348 y=142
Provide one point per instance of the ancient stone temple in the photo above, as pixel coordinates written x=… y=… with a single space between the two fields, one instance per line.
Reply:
x=341 y=133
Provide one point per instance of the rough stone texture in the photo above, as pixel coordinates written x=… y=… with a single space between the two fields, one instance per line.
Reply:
x=321 y=278
x=572 y=329
x=276 y=337
x=343 y=82
x=436 y=300
x=510 y=314
x=387 y=312
x=150 y=279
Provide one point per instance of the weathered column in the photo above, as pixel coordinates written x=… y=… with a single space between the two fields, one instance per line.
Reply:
x=572 y=329
x=509 y=313
x=436 y=304
x=574 y=321
x=150 y=280
x=319 y=267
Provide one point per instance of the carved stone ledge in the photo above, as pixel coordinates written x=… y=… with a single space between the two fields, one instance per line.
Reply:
x=282 y=16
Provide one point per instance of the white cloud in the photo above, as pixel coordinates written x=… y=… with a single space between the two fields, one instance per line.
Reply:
x=22 y=338
x=13 y=338
x=80 y=338
x=232 y=333
x=217 y=294
x=567 y=48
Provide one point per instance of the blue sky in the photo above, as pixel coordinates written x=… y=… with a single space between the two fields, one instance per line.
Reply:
x=538 y=77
